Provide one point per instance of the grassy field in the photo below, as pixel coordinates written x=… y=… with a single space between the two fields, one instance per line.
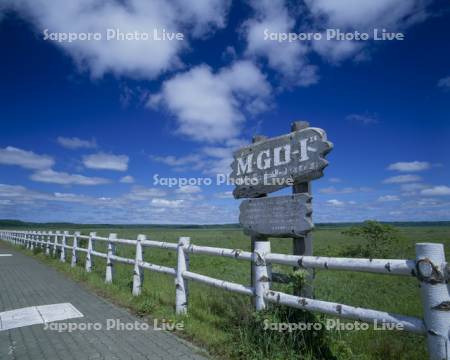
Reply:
x=223 y=323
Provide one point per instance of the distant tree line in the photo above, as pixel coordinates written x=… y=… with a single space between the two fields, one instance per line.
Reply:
x=7 y=223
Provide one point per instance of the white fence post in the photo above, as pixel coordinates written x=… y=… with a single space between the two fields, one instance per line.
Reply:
x=36 y=240
x=109 y=263
x=432 y=273
x=90 y=248
x=181 y=286
x=138 y=274
x=261 y=273
x=63 y=247
x=33 y=237
x=55 y=244
x=47 y=243
x=74 y=249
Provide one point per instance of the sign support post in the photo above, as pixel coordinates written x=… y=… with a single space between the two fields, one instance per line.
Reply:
x=303 y=245
x=254 y=238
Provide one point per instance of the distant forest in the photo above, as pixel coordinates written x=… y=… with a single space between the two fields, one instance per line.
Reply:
x=13 y=224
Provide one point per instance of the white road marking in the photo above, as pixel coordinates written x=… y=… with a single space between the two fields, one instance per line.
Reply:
x=5 y=255
x=37 y=315
x=20 y=317
x=57 y=312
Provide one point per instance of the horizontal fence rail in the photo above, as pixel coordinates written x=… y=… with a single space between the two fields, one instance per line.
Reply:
x=429 y=268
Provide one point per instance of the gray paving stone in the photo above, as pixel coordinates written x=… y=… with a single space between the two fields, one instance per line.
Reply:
x=24 y=282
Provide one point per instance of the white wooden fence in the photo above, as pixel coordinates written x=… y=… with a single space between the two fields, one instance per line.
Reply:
x=429 y=267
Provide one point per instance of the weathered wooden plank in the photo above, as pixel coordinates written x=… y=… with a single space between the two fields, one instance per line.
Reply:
x=277 y=216
x=273 y=164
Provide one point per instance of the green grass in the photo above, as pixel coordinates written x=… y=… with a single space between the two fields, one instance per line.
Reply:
x=223 y=322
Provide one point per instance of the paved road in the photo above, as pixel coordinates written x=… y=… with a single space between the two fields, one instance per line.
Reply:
x=26 y=282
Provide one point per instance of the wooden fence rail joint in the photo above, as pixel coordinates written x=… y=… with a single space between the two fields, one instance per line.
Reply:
x=429 y=272
x=443 y=306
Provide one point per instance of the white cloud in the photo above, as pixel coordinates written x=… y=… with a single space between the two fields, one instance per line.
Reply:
x=220 y=159
x=335 y=202
x=203 y=15
x=128 y=179
x=335 y=51
x=367 y=14
x=141 y=193
x=194 y=161
x=287 y=58
x=444 y=83
x=346 y=15
x=212 y=106
x=21 y=196
x=410 y=166
x=188 y=189
x=22 y=203
x=11 y=191
x=388 y=198
x=365 y=119
x=26 y=204
x=56 y=177
x=102 y=161
x=211 y=160
x=224 y=195
x=76 y=143
x=164 y=203
x=217 y=152
x=441 y=190
x=402 y=179
x=412 y=187
x=143 y=59
x=290 y=59
x=26 y=159
x=346 y=190
x=68 y=197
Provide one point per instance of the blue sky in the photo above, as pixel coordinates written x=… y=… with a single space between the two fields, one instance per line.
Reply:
x=86 y=125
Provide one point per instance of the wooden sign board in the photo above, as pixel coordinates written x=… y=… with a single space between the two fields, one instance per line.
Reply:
x=279 y=162
x=278 y=216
